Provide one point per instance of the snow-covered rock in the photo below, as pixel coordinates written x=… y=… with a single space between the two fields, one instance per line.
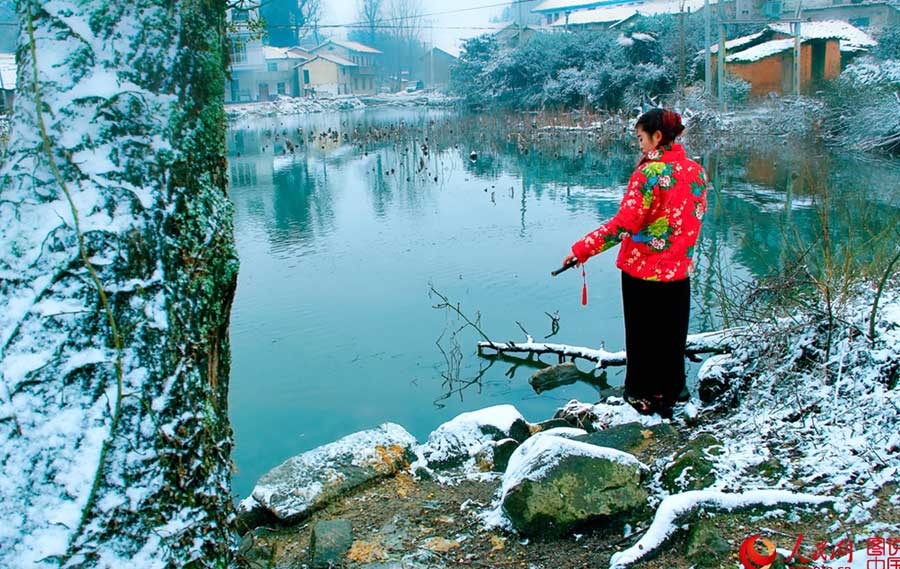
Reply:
x=309 y=480
x=467 y=434
x=553 y=484
x=599 y=416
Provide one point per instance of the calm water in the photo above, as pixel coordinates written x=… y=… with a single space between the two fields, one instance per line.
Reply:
x=334 y=328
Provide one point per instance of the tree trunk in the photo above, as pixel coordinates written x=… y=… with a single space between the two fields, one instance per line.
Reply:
x=117 y=273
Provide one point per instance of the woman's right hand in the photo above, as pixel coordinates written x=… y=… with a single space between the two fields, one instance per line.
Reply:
x=570 y=258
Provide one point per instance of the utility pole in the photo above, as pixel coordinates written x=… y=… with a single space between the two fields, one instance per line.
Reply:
x=797 y=48
x=796 y=26
x=708 y=55
x=720 y=61
x=681 y=56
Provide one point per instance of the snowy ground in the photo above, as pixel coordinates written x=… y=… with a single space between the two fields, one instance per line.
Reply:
x=292 y=106
x=829 y=417
x=810 y=421
x=813 y=423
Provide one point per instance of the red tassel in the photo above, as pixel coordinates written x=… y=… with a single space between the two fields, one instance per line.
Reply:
x=584 y=287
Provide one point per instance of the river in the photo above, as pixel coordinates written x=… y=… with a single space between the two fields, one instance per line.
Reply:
x=344 y=222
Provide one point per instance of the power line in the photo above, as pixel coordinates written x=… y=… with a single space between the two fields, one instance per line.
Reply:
x=381 y=27
x=444 y=13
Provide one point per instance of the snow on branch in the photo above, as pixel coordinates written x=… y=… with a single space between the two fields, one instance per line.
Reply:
x=718 y=342
x=674 y=507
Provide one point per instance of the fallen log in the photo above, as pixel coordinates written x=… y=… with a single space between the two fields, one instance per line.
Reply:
x=718 y=342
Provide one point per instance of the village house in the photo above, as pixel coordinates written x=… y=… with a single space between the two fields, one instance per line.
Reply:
x=436 y=64
x=327 y=74
x=766 y=59
x=513 y=34
x=553 y=11
x=522 y=13
x=873 y=17
x=344 y=68
x=617 y=15
x=7 y=81
x=261 y=72
x=247 y=58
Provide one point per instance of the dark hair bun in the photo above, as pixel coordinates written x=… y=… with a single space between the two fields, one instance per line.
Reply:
x=662 y=120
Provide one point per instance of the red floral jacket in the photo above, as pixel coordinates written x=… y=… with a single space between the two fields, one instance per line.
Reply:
x=658 y=221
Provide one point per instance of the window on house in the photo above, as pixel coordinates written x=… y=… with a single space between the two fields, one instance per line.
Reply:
x=273 y=66
x=281 y=89
x=239 y=50
x=238 y=15
x=306 y=76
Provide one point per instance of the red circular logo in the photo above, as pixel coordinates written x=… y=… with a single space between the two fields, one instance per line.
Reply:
x=751 y=558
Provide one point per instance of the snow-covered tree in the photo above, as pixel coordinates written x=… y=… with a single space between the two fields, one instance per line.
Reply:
x=117 y=273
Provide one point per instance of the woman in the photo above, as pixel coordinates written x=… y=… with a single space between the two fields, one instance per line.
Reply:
x=658 y=224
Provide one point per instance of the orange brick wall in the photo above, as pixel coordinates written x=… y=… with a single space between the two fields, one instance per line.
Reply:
x=775 y=73
x=765 y=75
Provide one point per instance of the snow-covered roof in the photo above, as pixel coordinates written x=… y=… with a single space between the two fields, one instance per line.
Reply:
x=760 y=51
x=454 y=55
x=351 y=45
x=334 y=59
x=8 y=71
x=604 y=15
x=619 y=12
x=852 y=38
x=283 y=53
x=731 y=45
x=560 y=5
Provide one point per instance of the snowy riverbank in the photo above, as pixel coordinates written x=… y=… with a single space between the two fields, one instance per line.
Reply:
x=283 y=106
x=796 y=435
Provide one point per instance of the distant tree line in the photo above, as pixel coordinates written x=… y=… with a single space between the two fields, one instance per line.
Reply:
x=600 y=69
x=608 y=69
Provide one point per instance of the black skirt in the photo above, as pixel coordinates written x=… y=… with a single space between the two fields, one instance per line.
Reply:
x=656 y=324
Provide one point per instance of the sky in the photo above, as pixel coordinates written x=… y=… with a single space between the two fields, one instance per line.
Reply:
x=345 y=11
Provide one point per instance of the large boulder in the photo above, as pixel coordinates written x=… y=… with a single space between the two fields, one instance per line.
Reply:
x=467 y=434
x=301 y=484
x=553 y=485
